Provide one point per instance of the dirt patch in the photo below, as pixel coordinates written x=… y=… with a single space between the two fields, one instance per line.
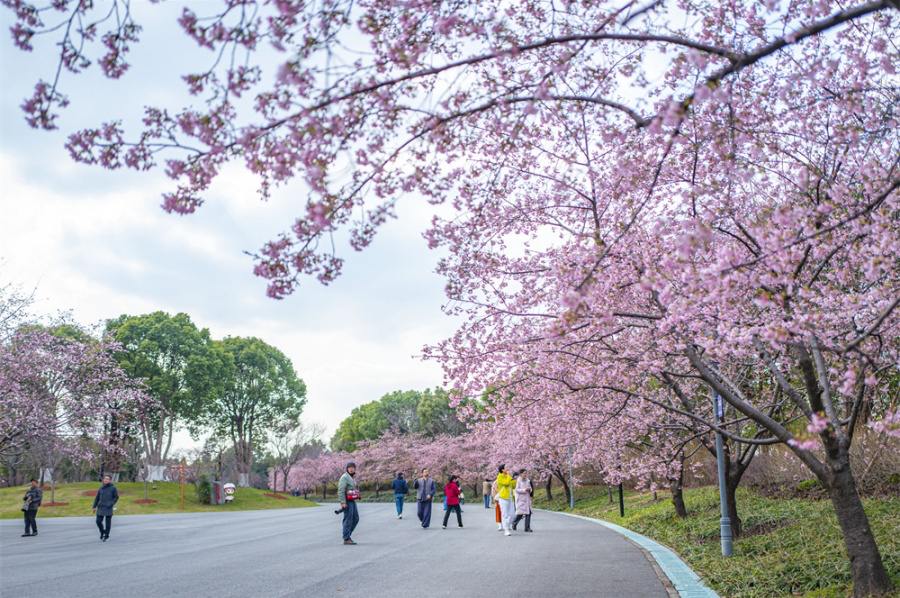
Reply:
x=278 y=496
x=54 y=504
x=145 y=501
x=765 y=527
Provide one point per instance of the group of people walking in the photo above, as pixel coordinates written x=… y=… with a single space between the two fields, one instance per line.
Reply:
x=103 y=507
x=511 y=495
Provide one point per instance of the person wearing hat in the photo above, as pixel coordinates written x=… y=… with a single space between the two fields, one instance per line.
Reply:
x=401 y=489
x=425 y=489
x=348 y=494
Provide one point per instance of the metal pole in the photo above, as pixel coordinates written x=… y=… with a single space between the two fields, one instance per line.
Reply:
x=621 y=500
x=725 y=521
x=181 y=479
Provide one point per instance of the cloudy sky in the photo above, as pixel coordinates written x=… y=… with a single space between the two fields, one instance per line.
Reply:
x=97 y=244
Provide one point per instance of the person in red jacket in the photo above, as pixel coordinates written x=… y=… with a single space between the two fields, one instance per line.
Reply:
x=453 y=494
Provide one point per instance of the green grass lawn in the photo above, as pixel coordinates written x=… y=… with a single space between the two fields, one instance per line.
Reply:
x=792 y=547
x=167 y=495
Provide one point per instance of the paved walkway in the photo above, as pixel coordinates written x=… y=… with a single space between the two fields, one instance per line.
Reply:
x=298 y=552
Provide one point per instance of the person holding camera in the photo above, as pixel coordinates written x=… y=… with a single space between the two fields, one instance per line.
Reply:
x=348 y=494
x=30 y=503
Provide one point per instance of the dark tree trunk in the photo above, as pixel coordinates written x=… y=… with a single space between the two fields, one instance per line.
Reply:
x=677 y=487
x=869 y=575
x=731 y=500
x=565 y=485
x=549 y=488
x=609 y=493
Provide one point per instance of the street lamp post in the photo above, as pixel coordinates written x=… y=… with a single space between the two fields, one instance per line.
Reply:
x=571 y=481
x=725 y=521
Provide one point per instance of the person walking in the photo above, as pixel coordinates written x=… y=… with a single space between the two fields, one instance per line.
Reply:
x=505 y=487
x=30 y=504
x=496 y=500
x=486 y=492
x=425 y=489
x=104 y=504
x=453 y=493
x=524 y=495
x=348 y=494
x=401 y=489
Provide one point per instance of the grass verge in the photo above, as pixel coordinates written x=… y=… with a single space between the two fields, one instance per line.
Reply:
x=166 y=494
x=791 y=547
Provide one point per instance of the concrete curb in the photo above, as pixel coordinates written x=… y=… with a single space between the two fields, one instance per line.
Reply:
x=687 y=583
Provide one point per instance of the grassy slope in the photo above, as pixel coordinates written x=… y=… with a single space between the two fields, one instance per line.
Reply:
x=167 y=493
x=793 y=548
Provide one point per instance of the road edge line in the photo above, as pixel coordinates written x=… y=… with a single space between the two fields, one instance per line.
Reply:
x=686 y=582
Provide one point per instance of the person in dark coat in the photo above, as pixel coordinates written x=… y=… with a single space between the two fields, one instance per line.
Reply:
x=104 y=502
x=425 y=489
x=401 y=489
x=30 y=503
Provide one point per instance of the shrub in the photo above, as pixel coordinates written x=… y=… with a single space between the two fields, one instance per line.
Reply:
x=204 y=489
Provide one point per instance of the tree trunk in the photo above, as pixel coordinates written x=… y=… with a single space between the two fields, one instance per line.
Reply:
x=324 y=490
x=566 y=489
x=609 y=493
x=549 y=488
x=731 y=500
x=677 y=487
x=866 y=566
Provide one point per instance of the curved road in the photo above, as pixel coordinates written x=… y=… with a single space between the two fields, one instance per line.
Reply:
x=298 y=552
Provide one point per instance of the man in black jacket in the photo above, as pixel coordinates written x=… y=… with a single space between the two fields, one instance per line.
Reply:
x=30 y=505
x=106 y=499
x=401 y=489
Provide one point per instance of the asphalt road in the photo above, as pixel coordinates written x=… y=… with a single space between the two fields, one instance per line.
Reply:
x=298 y=552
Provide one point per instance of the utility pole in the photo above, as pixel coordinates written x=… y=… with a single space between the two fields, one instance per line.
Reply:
x=725 y=520
x=181 y=480
x=571 y=481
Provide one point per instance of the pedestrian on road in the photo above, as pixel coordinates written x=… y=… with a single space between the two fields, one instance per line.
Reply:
x=30 y=503
x=425 y=489
x=348 y=494
x=486 y=492
x=452 y=494
x=498 y=516
x=104 y=504
x=401 y=489
x=524 y=494
x=505 y=487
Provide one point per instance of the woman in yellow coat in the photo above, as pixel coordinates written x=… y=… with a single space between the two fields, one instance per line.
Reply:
x=505 y=488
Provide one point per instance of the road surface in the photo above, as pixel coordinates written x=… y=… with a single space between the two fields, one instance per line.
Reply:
x=298 y=552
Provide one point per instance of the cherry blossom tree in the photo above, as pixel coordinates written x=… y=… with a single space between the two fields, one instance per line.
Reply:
x=649 y=200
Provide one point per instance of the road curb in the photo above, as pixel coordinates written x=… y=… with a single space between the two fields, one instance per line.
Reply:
x=687 y=584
